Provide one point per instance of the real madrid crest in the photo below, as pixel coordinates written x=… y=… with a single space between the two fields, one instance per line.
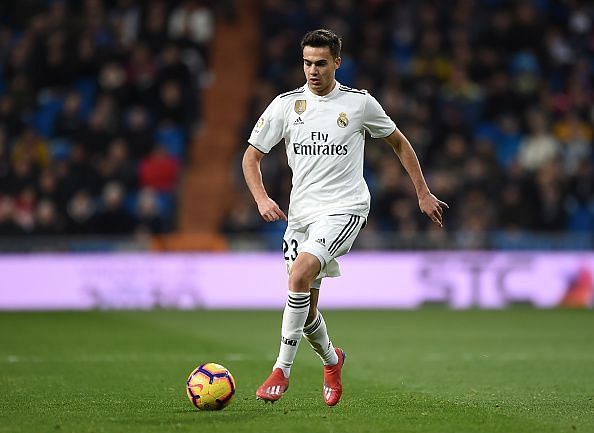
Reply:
x=342 y=120
x=300 y=106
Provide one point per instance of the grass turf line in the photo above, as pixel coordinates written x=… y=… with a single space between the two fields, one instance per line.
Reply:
x=432 y=370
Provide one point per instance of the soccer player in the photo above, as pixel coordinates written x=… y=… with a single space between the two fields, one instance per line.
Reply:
x=323 y=124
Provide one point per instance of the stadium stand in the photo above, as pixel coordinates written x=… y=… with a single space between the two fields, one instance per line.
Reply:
x=98 y=102
x=496 y=97
x=111 y=122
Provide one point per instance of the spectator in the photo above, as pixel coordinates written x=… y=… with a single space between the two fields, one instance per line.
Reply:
x=88 y=59
x=113 y=82
x=80 y=101
x=9 y=116
x=172 y=110
x=159 y=171
x=149 y=218
x=116 y=166
x=192 y=25
x=139 y=132
x=31 y=147
x=69 y=123
x=113 y=218
x=24 y=209
x=575 y=136
x=57 y=69
x=154 y=29
x=125 y=17
x=4 y=161
x=47 y=186
x=8 y=224
x=513 y=212
x=23 y=175
x=81 y=214
x=47 y=220
x=141 y=72
x=539 y=146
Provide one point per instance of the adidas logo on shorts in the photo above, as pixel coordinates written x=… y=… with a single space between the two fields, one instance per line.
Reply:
x=321 y=241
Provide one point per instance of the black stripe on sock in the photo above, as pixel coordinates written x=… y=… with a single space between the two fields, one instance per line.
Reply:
x=298 y=301
x=312 y=326
x=298 y=307
x=299 y=298
x=297 y=304
x=310 y=329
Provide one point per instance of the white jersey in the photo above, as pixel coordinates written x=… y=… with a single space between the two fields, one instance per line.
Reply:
x=324 y=139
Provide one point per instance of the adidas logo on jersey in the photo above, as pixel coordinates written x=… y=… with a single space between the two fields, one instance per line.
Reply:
x=298 y=121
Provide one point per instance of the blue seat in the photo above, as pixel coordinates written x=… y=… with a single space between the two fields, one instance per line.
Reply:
x=131 y=202
x=59 y=149
x=166 y=202
x=173 y=139
x=581 y=219
x=86 y=87
x=45 y=116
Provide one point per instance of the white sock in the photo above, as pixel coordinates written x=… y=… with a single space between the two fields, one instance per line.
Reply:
x=317 y=335
x=294 y=318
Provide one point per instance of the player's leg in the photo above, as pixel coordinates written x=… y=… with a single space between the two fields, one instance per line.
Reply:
x=302 y=274
x=333 y=236
x=314 y=295
x=316 y=332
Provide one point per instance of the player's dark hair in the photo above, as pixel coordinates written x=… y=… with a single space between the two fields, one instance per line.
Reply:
x=323 y=38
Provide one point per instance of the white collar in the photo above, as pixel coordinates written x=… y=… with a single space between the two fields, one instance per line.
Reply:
x=332 y=93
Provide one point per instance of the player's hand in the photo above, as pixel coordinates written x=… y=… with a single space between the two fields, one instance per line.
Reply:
x=433 y=208
x=270 y=211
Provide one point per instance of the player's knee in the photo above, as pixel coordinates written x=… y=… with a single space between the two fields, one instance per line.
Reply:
x=303 y=273
x=299 y=282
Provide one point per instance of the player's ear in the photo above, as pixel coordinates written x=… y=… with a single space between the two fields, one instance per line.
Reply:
x=337 y=62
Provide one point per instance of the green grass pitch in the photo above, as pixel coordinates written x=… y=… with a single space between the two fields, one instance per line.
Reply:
x=432 y=370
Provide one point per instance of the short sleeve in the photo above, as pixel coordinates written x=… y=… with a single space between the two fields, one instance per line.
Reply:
x=375 y=119
x=269 y=128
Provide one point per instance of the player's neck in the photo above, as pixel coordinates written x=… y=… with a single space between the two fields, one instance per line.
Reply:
x=325 y=91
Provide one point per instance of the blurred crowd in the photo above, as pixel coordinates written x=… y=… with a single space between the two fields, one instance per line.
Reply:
x=496 y=97
x=98 y=100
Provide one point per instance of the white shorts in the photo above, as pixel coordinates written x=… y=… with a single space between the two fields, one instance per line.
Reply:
x=326 y=238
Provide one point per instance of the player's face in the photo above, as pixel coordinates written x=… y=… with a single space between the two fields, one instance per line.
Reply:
x=319 y=67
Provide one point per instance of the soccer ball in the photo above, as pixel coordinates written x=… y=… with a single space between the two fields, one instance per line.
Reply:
x=210 y=387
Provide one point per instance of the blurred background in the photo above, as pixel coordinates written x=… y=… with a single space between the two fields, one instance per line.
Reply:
x=123 y=123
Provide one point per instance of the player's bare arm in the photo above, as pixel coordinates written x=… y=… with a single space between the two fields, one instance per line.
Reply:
x=428 y=203
x=267 y=207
